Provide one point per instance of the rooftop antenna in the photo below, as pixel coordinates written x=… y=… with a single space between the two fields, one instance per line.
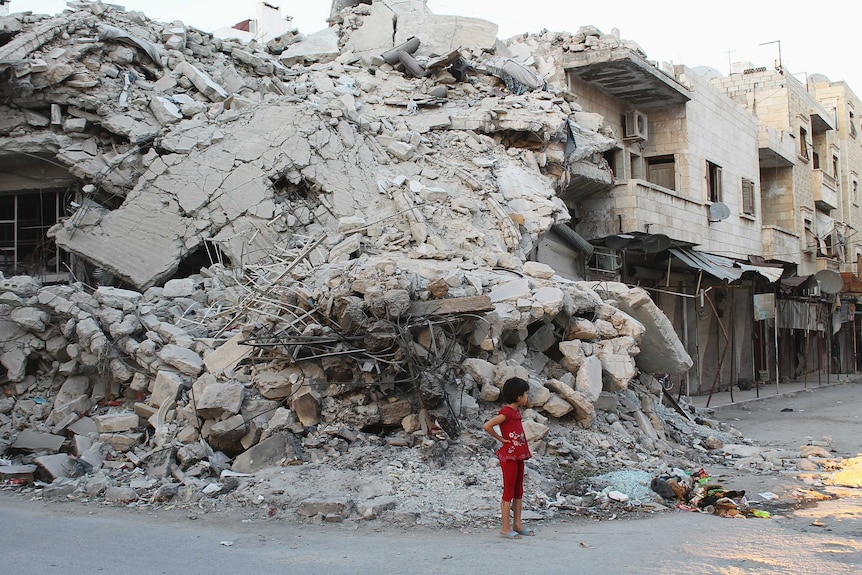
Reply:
x=730 y=62
x=779 y=67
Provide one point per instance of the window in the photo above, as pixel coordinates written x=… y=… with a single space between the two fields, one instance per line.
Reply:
x=852 y=124
x=747 y=197
x=855 y=191
x=713 y=182
x=24 y=219
x=611 y=157
x=836 y=173
x=661 y=171
x=604 y=260
x=636 y=166
x=803 y=143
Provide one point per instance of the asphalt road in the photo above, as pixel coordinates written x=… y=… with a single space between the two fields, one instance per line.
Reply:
x=40 y=538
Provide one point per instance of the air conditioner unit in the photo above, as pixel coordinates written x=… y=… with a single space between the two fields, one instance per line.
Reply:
x=636 y=126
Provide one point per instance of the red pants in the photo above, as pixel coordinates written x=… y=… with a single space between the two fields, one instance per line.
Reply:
x=513 y=479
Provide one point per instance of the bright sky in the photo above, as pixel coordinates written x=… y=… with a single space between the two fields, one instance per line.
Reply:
x=817 y=40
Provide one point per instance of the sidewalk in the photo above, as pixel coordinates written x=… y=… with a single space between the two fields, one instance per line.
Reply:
x=769 y=390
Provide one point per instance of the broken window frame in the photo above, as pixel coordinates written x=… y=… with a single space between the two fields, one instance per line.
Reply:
x=803 y=143
x=22 y=241
x=713 y=182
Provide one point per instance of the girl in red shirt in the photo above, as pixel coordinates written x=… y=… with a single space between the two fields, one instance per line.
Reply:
x=512 y=455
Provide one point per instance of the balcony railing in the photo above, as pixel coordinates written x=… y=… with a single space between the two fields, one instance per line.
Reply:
x=780 y=244
x=825 y=191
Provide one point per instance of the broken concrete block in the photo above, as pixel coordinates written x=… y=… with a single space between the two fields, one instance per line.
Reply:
x=535 y=431
x=121 y=441
x=97 y=485
x=393 y=412
x=73 y=397
x=187 y=361
x=321 y=47
x=220 y=398
x=165 y=111
x=166 y=387
x=662 y=350
x=145 y=411
x=264 y=454
x=30 y=318
x=17 y=474
x=74 y=125
x=229 y=354
x=618 y=364
x=374 y=508
x=202 y=82
x=305 y=403
x=120 y=495
x=227 y=435
x=401 y=150
x=189 y=454
x=510 y=291
x=116 y=422
x=589 y=378
x=166 y=492
x=556 y=406
x=341 y=506
x=54 y=466
x=30 y=440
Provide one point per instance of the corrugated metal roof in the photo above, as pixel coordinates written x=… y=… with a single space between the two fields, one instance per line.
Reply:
x=717 y=266
x=723 y=268
x=770 y=273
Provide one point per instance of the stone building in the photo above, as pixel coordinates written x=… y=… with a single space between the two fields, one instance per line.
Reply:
x=682 y=215
x=807 y=218
x=842 y=102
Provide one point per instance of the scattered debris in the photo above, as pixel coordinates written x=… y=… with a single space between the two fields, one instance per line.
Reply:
x=306 y=262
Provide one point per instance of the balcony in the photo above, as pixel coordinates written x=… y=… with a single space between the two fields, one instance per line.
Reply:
x=626 y=76
x=780 y=244
x=825 y=191
x=831 y=264
x=777 y=148
x=639 y=206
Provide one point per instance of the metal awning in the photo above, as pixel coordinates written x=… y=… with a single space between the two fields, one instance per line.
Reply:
x=717 y=266
x=770 y=273
x=723 y=268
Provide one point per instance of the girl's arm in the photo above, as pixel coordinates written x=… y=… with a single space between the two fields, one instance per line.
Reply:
x=489 y=427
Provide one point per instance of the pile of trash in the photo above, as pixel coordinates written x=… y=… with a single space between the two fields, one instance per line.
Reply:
x=302 y=272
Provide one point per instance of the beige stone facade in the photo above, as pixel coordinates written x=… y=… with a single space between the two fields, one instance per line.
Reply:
x=796 y=189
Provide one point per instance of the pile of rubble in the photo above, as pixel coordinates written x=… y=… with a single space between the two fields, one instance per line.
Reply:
x=366 y=204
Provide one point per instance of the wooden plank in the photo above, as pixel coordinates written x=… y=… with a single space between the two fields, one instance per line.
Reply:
x=450 y=306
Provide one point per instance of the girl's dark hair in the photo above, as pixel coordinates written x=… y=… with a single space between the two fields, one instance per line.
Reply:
x=514 y=388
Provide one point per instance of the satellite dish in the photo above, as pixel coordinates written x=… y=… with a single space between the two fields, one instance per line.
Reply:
x=618 y=241
x=655 y=243
x=830 y=282
x=718 y=211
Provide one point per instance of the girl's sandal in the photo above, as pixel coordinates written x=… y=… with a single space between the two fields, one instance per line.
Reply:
x=511 y=535
x=526 y=531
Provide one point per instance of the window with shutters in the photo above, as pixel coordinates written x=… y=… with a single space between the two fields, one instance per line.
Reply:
x=747 y=197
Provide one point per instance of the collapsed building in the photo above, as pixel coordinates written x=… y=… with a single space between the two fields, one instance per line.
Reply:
x=252 y=256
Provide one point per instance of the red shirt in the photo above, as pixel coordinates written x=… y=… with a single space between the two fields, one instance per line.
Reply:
x=516 y=448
